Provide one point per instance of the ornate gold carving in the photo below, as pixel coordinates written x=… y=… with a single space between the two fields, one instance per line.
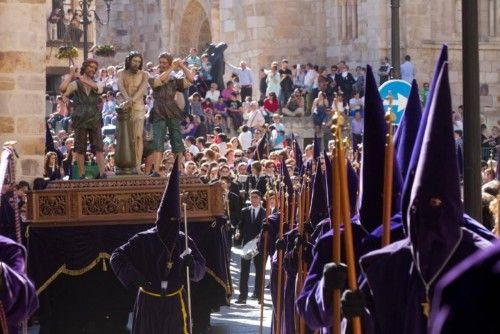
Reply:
x=52 y=206
x=100 y=204
x=196 y=200
x=144 y=202
x=131 y=200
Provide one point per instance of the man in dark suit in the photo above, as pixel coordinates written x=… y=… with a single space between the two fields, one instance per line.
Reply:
x=249 y=228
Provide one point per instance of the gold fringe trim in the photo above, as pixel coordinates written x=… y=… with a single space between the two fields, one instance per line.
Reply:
x=221 y=282
x=75 y=272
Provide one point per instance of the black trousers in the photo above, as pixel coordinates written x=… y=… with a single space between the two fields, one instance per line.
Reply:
x=245 y=273
x=356 y=140
x=245 y=91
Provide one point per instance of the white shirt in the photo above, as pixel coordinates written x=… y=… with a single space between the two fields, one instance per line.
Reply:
x=213 y=96
x=245 y=139
x=256 y=119
x=193 y=150
x=408 y=71
x=245 y=75
x=310 y=78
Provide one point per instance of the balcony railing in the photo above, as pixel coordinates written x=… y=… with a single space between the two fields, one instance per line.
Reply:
x=59 y=34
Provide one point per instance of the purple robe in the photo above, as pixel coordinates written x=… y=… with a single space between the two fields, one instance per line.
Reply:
x=467 y=298
x=310 y=304
x=395 y=289
x=142 y=262
x=17 y=292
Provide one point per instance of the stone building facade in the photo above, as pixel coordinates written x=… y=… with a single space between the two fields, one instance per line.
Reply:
x=317 y=31
x=22 y=81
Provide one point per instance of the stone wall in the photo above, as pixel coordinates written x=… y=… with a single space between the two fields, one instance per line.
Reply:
x=133 y=25
x=22 y=81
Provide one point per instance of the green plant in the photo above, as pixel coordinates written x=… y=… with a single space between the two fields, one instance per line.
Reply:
x=67 y=52
x=105 y=50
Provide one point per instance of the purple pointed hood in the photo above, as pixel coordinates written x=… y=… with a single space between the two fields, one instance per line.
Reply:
x=410 y=174
x=435 y=207
x=352 y=183
x=319 y=205
x=299 y=164
x=404 y=139
x=169 y=211
x=372 y=166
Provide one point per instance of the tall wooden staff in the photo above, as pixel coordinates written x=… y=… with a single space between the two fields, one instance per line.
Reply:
x=263 y=273
x=283 y=206
x=345 y=215
x=388 y=172
x=188 y=280
x=302 y=266
x=335 y=222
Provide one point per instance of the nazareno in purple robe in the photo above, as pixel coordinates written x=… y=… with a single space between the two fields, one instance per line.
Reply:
x=397 y=276
x=467 y=298
x=141 y=261
x=153 y=257
x=311 y=305
x=17 y=292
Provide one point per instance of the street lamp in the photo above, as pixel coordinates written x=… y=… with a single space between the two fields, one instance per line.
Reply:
x=87 y=14
x=395 y=48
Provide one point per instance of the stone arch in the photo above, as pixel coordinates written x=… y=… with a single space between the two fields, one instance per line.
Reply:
x=193 y=28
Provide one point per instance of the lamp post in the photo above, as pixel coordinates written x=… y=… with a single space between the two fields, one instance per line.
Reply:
x=395 y=47
x=472 y=135
x=87 y=14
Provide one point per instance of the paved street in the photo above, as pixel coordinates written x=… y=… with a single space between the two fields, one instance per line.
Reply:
x=236 y=319
x=242 y=319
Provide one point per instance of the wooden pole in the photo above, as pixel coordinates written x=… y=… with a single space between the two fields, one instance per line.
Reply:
x=388 y=173
x=335 y=222
x=263 y=273
x=283 y=206
x=346 y=219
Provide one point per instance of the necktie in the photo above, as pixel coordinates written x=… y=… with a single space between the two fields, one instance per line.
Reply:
x=253 y=215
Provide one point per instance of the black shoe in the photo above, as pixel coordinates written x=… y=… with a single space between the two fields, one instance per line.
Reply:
x=241 y=301
x=254 y=296
x=101 y=177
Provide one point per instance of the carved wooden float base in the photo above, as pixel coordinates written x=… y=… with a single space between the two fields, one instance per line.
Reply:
x=118 y=200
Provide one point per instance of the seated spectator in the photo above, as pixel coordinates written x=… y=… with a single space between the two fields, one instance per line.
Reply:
x=195 y=103
x=319 y=111
x=52 y=171
x=188 y=127
x=271 y=103
x=256 y=118
x=295 y=105
x=213 y=94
